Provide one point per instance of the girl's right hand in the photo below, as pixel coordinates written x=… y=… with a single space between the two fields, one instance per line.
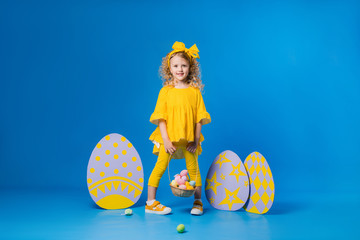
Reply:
x=169 y=147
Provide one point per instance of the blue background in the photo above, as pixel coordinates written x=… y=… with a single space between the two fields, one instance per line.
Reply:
x=281 y=78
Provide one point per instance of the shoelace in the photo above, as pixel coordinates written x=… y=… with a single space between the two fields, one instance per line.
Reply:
x=197 y=206
x=158 y=206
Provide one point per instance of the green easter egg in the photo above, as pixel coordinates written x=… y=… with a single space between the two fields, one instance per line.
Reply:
x=128 y=212
x=180 y=228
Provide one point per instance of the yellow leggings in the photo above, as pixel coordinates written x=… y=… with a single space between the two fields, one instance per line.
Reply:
x=162 y=163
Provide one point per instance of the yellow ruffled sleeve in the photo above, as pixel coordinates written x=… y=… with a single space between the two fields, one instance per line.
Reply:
x=202 y=116
x=160 y=108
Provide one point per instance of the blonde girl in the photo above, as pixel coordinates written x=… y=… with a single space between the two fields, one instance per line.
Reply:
x=179 y=115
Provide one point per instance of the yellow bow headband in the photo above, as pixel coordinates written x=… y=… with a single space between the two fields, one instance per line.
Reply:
x=179 y=47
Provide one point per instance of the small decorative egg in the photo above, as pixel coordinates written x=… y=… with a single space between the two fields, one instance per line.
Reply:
x=128 y=212
x=179 y=180
x=192 y=183
x=184 y=178
x=115 y=176
x=180 y=228
x=262 y=187
x=174 y=183
x=184 y=172
x=182 y=186
x=227 y=182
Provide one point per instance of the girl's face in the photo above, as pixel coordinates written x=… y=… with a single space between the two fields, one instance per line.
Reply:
x=179 y=68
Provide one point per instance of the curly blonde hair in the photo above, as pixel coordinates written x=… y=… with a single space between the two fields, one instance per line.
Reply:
x=194 y=77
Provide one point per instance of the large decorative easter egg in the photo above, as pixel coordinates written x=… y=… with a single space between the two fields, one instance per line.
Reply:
x=115 y=176
x=227 y=183
x=262 y=188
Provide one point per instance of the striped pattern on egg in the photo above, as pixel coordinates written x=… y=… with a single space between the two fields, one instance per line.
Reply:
x=262 y=187
x=115 y=176
x=227 y=183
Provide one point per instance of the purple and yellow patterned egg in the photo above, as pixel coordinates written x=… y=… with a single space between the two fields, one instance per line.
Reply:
x=262 y=187
x=115 y=176
x=227 y=183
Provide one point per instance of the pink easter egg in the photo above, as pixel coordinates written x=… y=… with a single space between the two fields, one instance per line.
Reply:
x=177 y=178
x=184 y=178
x=182 y=186
x=184 y=173
x=180 y=181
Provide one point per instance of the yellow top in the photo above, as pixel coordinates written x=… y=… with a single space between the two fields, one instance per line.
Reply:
x=181 y=108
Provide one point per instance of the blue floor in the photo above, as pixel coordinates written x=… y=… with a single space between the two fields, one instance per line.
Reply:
x=70 y=214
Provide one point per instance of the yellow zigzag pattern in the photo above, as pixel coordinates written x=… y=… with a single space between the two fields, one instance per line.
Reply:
x=115 y=182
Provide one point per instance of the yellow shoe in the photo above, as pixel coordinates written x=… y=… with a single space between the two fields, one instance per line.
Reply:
x=157 y=208
x=197 y=208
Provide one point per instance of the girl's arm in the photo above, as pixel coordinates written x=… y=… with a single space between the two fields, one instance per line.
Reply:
x=169 y=147
x=193 y=145
x=197 y=132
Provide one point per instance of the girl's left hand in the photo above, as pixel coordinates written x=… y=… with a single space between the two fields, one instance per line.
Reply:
x=191 y=147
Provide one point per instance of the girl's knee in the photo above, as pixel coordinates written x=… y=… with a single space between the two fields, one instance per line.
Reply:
x=158 y=171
